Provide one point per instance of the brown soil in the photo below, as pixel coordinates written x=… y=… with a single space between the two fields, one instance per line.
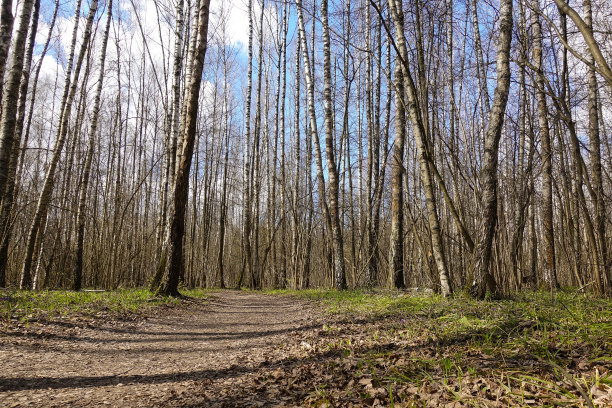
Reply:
x=238 y=349
x=199 y=354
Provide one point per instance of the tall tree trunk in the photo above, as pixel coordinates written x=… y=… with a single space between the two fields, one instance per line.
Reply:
x=425 y=156
x=247 y=200
x=223 y=208
x=308 y=76
x=256 y=157
x=6 y=32
x=334 y=210
x=522 y=188
x=10 y=97
x=176 y=91
x=283 y=175
x=396 y=247
x=480 y=65
x=178 y=203
x=9 y=194
x=595 y=161
x=45 y=195
x=381 y=143
x=550 y=274
x=371 y=250
x=483 y=278
x=35 y=86
x=295 y=236
x=82 y=190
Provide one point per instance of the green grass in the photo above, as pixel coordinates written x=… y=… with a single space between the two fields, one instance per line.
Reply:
x=565 y=314
x=360 y=302
x=530 y=346
x=26 y=305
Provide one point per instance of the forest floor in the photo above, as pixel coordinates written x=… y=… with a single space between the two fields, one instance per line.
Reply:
x=240 y=348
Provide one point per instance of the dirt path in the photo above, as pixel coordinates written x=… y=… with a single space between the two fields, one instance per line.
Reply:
x=202 y=349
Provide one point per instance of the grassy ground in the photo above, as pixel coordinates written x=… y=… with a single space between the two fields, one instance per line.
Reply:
x=408 y=349
x=403 y=349
x=25 y=306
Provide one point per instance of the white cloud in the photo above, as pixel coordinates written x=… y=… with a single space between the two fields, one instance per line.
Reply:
x=230 y=20
x=42 y=33
x=50 y=68
x=235 y=14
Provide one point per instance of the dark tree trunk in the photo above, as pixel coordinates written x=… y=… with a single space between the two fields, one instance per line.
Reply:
x=176 y=225
x=396 y=247
x=6 y=32
x=10 y=96
x=483 y=278
x=550 y=273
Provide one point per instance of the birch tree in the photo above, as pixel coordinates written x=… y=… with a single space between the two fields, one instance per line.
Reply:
x=483 y=279
x=176 y=224
x=6 y=32
x=44 y=198
x=10 y=96
x=550 y=273
x=84 y=183
x=334 y=211
x=424 y=151
x=396 y=247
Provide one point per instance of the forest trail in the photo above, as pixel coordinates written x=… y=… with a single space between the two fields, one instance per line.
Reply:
x=185 y=356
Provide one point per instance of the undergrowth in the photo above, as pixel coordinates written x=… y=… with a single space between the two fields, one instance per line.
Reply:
x=26 y=305
x=528 y=349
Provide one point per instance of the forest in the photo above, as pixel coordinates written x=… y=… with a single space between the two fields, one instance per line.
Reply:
x=322 y=203
x=457 y=146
